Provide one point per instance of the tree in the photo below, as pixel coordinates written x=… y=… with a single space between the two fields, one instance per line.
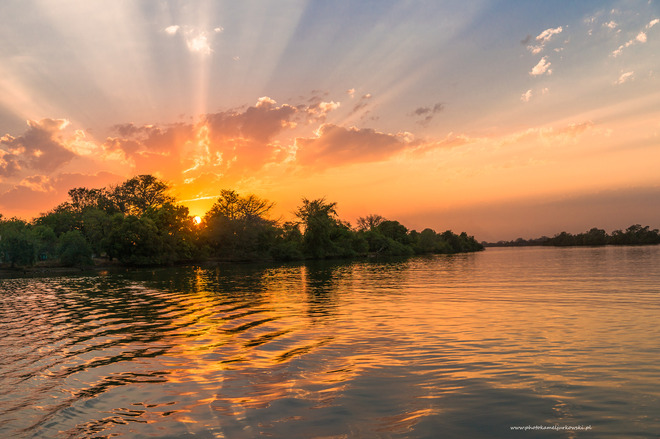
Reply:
x=135 y=241
x=136 y=195
x=394 y=230
x=237 y=226
x=369 y=222
x=318 y=218
x=288 y=243
x=233 y=206
x=176 y=229
x=17 y=245
x=81 y=199
x=45 y=241
x=427 y=242
x=594 y=236
x=74 y=250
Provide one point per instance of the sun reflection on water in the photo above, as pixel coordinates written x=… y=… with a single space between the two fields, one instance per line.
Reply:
x=389 y=349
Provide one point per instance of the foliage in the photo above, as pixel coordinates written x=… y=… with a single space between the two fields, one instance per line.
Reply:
x=369 y=222
x=633 y=235
x=74 y=250
x=139 y=222
x=237 y=227
x=17 y=243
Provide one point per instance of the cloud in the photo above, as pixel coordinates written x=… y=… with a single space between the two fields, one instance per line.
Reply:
x=625 y=77
x=362 y=103
x=351 y=92
x=230 y=144
x=542 y=67
x=542 y=39
x=335 y=145
x=199 y=44
x=39 y=183
x=172 y=30
x=260 y=122
x=41 y=147
x=547 y=34
x=197 y=40
x=450 y=141
x=9 y=165
x=428 y=113
x=526 y=96
x=319 y=110
x=549 y=135
x=610 y=24
x=640 y=38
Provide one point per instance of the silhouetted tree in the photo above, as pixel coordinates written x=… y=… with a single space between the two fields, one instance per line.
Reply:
x=369 y=222
x=236 y=227
x=319 y=221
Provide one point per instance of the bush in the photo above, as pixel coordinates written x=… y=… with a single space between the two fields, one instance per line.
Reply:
x=73 y=249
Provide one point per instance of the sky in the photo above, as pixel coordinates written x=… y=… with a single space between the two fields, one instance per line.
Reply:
x=503 y=119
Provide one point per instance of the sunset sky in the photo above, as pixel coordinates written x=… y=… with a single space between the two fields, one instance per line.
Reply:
x=499 y=118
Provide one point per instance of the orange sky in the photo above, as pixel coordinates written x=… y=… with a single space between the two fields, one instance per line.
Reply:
x=496 y=118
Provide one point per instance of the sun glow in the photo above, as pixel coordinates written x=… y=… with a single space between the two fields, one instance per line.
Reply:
x=197 y=220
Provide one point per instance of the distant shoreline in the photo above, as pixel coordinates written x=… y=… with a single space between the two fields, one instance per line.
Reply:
x=633 y=235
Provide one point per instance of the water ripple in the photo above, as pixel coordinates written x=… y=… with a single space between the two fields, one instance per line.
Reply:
x=472 y=343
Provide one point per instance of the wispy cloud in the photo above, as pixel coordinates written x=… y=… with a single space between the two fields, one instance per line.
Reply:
x=428 y=113
x=172 y=30
x=362 y=103
x=625 y=77
x=525 y=97
x=198 y=43
x=197 y=40
x=640 y=38
x=542 y=39
x=542 y=67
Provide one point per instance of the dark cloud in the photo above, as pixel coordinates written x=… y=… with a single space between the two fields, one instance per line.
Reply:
x=261 y=122
x=128 y=147
x=362 y=103
x=526 y=40
x=40 y=148
x=9 y=165
x=428 y=112
x=336 y=145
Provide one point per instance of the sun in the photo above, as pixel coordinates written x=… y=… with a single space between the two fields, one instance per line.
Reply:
x=197 y=220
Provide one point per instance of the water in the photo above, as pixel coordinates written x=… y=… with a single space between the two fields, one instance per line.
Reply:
x=445 y=346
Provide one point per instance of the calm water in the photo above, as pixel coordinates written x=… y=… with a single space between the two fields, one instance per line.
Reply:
x=459 y=346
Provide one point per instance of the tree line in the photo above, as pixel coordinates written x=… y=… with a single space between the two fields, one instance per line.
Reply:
x=633 y=235
x=140 y=223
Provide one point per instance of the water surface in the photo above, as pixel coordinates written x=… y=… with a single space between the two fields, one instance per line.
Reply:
x=444 y=346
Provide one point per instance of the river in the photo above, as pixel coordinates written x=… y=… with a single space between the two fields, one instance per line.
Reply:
x=526 y=342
